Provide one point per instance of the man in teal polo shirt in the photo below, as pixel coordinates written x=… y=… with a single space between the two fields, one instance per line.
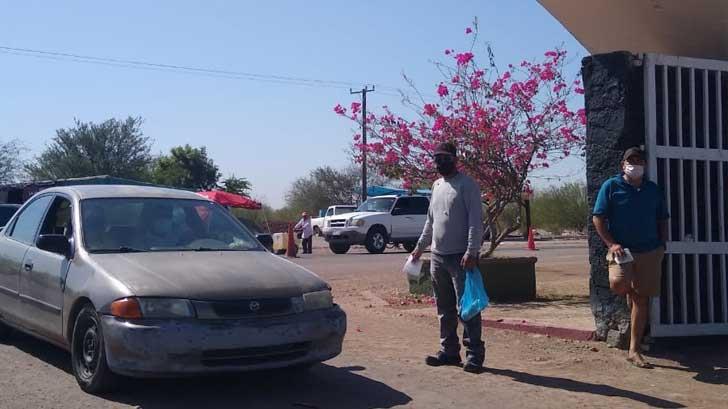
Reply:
x=631 y=217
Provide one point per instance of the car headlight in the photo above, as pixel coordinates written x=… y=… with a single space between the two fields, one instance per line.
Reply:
x=319 y=300
x=138 y=308
x=355 y=222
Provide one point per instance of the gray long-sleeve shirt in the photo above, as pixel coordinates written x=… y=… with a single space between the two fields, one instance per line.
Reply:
x=455 y=218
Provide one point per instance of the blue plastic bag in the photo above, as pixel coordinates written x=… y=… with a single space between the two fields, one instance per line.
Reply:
x=474 y=299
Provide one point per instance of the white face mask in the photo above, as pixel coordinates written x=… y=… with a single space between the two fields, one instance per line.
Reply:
x=634 y=171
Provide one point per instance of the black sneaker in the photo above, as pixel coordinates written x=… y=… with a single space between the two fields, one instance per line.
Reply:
x=441 y=359
x=473 y=367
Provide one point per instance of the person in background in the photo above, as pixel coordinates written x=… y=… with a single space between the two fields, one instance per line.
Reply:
x=305 y=227
x=454 y=229
x=630 y=215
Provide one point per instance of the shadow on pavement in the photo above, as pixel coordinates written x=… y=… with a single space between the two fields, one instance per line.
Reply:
x=323 y=386
x=583 y=387
x=707 y=357
x=42 y=350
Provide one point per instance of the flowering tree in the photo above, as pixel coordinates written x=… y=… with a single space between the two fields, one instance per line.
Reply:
x=505 y=126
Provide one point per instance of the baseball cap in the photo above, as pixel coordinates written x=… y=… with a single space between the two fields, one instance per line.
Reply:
x=634 y=151
x=446 y=148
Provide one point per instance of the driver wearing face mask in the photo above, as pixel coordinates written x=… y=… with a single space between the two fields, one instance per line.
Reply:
x=630 y=215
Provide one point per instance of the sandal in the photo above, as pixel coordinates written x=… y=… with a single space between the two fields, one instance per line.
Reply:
x=639 y=363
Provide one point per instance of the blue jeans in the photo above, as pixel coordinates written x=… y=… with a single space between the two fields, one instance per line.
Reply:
x=448 y=282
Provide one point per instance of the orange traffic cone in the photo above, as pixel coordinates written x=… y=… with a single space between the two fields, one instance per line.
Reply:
x=291 y=246
x=531 y=241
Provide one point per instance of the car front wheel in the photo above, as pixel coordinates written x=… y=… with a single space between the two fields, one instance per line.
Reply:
x=88 y=357
x=339 y=248
x=376 y=241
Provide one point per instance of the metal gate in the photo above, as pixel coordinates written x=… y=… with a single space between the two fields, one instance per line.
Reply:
x=686 y=119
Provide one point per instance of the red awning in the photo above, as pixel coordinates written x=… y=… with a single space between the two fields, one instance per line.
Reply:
x=231 y=199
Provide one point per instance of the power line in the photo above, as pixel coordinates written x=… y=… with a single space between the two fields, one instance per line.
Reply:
x=209 y=72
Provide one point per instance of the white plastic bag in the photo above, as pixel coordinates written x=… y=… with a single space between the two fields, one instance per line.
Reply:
x=413 y=269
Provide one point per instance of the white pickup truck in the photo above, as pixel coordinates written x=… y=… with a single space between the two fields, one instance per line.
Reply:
x=319 y=223
x=377 y=222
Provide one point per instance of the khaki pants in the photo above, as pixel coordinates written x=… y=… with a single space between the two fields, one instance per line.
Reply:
x=644 y=274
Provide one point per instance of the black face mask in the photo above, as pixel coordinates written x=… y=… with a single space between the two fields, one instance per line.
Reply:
x=445 y=165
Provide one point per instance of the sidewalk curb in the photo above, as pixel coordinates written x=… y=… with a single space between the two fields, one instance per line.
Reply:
x=525 y=326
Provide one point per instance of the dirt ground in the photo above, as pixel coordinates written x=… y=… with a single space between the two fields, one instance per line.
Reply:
x=382 y=363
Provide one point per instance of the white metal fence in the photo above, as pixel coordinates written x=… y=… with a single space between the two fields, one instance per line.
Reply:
x=686 y=116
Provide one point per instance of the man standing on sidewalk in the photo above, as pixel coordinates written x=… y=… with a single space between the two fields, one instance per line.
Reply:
x=454 y=229
x=304 y=226
x=630 y=214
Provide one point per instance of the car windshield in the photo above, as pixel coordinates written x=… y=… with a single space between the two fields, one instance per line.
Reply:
x=122 y=225
x=344 y=210
x=381 y=204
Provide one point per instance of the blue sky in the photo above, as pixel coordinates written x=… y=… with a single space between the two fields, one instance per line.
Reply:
x=270 y=133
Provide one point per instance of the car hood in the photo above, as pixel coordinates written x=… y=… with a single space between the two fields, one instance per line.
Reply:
x=220 y=275
x=358 y=215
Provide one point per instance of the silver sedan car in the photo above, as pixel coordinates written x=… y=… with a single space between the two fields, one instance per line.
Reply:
x=148 y=282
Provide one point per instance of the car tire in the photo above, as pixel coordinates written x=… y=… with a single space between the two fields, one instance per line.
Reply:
x=409 y=246
x=376 y=241
x=339 y=248
x=88 y=356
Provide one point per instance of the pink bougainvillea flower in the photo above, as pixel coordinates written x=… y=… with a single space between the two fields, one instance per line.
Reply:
x=464 y=58
x=430 y=109
x=339 y=109
x=355 y=107
x=468 y=30
x=579 y=90
x=442 y=90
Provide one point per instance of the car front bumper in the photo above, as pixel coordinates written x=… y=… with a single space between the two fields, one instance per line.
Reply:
x=344 y=236
x=189 y=347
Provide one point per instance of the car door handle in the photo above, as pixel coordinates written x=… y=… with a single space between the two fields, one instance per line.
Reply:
x=28 y=266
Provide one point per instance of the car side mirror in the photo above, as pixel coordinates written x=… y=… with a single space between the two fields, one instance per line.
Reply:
x=55 y=243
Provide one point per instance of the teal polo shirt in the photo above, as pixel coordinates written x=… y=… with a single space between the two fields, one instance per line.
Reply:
x=632 y=213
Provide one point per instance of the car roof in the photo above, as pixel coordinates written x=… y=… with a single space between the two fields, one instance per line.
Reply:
x=122 y=191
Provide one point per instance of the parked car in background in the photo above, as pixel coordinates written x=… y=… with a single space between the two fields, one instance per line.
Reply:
x=6 y=212
x=319 y=223
x=378 y=222
x=143 y=282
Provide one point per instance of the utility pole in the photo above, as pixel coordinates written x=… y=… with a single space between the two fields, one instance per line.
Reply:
x=363 y=93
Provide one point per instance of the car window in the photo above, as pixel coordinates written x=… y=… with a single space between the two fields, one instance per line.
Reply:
x=26 y=225
x=152 y=224
x=58 y=219
x=330 y=212
x=420 y=205
x=403 y=206
x=345 y=210
x=377 y=204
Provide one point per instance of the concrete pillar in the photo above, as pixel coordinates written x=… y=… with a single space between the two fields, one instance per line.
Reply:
x=615 y=121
